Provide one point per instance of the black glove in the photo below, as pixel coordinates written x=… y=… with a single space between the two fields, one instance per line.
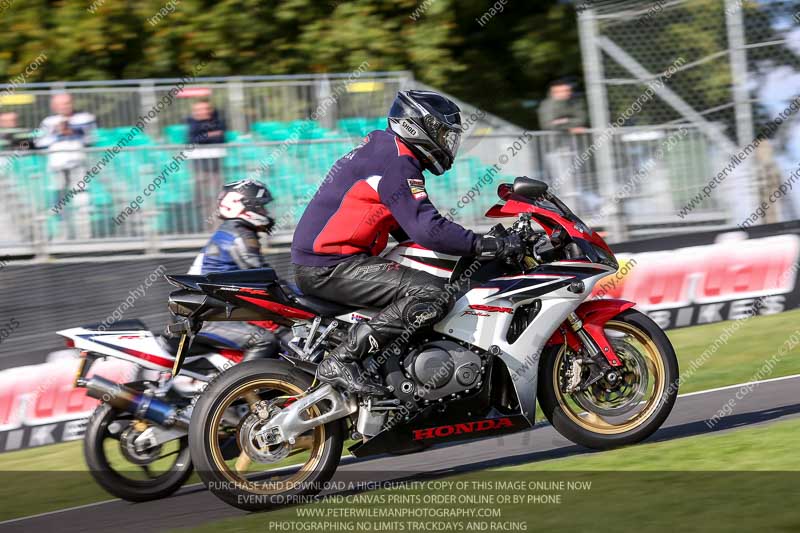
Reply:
x=507 y=248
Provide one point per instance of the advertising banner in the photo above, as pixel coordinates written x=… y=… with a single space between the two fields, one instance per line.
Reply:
x=39 y=405
x=708 y=277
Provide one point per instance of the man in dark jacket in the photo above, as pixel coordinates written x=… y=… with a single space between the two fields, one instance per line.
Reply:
x=205 y=127
x=376 y=190
x=562 y=110
x=205 y=124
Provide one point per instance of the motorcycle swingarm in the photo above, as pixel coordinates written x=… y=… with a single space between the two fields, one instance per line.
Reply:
x=155 y=435
x=293 y=420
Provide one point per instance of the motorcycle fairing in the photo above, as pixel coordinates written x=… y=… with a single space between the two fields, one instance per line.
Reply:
x=432 y=427
x=471 y=417
x=549 y=220
x=137 y=346
x=143 y=348
x=502 y=297
x=418 y=257
x=238 y=295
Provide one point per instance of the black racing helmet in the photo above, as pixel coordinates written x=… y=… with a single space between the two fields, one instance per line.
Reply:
x=246 y=200
x=430 y=124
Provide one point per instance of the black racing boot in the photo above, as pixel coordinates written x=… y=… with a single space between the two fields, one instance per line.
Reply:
x=341 y=367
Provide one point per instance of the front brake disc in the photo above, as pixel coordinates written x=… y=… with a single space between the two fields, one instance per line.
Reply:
x=626 y=395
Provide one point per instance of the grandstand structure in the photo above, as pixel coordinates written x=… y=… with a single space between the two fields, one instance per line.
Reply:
x=288 y=131
x=285 y=130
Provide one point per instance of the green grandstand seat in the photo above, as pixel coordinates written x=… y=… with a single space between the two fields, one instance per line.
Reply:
x=302 y=124
x=179 y=185
x=243 y=161
x=233 y=136
x=173 y=200
x=176 y=133
x=271 y=131
x=360 y=126
x=100 y=198
x=130 y=169
x=140 y=138
x=104 y=137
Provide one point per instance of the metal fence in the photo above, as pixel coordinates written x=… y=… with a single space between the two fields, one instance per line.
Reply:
x=244 y=102
x=730 y=68
x=156 y=197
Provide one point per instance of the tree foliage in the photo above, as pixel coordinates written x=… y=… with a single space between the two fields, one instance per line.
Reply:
x=498 y=66
x=501 y=62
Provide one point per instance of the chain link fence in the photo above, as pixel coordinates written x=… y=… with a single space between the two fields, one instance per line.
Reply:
x=726 y=67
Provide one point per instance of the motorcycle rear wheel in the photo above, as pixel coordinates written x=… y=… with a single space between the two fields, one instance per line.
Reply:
x=604 y=416
x=222 y=413
x=123 y=479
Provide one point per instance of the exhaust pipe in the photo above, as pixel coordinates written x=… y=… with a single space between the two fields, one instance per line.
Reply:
x=140 y=404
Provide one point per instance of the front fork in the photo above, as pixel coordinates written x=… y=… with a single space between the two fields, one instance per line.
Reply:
x=591 y=338
x=596 y=344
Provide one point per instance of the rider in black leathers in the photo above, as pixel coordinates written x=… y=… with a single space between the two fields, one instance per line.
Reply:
x=376 y=190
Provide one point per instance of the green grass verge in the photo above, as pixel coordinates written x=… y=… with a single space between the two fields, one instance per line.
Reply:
x=743 y=480
x=740 y=358
x=65 y=482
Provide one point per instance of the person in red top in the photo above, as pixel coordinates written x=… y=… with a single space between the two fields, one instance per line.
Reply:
x=374 y=191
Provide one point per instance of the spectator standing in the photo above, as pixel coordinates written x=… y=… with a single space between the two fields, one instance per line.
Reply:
x=564 y=113
x=206 y=127
x=12 y=137
x=205 y=124
x=65 y=134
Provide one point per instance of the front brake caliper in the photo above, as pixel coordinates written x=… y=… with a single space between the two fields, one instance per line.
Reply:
x=573 y=375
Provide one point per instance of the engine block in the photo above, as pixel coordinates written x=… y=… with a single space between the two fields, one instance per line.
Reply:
x=442 y=368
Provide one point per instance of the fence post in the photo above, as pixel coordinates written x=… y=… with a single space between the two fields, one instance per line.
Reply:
x=150 y=230
x=328 y=118
x=747 y=184
x=598 y=113
x=236 y=104
x=147 y=91
x=39 y=237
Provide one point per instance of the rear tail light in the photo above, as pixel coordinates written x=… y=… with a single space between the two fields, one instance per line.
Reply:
x=70 y=343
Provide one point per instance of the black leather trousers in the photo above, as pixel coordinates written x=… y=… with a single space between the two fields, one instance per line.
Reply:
x=411 y=299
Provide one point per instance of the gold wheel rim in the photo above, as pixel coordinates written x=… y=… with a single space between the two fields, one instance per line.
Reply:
x=316 y=447
x=596 y=423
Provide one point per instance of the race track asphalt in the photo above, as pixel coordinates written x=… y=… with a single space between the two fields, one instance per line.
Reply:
x=769 y=401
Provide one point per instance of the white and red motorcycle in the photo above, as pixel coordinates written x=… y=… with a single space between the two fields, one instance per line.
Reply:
x=136 y=443
x=604 y=374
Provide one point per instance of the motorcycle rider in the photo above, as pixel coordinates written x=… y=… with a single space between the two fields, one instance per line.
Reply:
x=375 y=190
x=234 y=246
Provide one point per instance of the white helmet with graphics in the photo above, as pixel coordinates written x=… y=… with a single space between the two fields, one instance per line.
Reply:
x=247 y=201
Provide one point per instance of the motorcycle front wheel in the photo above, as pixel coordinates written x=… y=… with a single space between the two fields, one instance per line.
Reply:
x=128 y=473
x=607 y=415
x=235 y=464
